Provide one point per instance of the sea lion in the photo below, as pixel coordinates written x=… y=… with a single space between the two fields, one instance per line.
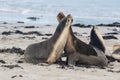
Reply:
x=79 y=51
x=116 y=52
x=115 y=47
x=96 y=39
x=115 y=56
x=50 y=50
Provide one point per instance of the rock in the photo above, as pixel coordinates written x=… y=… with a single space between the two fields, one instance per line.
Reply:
x=12 y=50
x=20 y=76
x=6 y=33
x=18 y=32
x=20 y=22
x=117 y=24
x=115 y=33
x=33 y=32
x=44 y=38
x=29 y=27
x=20 y=62
x=113 y=71
x=109 y=37
x=17 y=50
x=78 y=25
x=101 y=25
x=33 y=18
x=48 y=25
x=76 y=33
x=48 y=34
x=14 y=76
x=10 y=32
x=2 y=61
x=12 y=66
x=28 y=37
x=5 y=23
x=26 y=33
x=82 y=25
x=85 y=33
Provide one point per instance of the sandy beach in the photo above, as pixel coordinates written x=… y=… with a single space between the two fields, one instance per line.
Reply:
x=20 y=37
x=24 y=22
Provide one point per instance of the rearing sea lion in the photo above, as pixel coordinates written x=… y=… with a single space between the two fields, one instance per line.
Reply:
x=96 y=39
x=79 y=51
x=50 y=50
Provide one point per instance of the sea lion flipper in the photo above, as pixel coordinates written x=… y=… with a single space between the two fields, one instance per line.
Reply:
x=71 y=59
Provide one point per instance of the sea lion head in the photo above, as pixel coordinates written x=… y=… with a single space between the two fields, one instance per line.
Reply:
x=60 y=16
x=63 y=23
x=69 y=20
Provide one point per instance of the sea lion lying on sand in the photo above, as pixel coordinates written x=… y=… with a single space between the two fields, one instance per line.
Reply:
x=116 y=52
x=115 y=47
x=50 y=50
x=79 y=51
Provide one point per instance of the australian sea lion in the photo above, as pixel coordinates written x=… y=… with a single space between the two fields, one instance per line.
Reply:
x=115 y=47
x=50 y=50
x=116 y=52
x=96 y=39
x=78 y=51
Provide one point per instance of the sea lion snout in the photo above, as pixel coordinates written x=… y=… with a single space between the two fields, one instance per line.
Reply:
x=60 y=16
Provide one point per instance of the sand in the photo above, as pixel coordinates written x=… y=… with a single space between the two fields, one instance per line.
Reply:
x=27 y=71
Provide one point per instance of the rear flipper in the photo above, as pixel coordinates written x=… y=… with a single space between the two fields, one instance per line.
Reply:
x=71 y=59
x=100 y=60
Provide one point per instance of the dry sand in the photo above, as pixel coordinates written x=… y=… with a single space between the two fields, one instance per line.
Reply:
x=27 y=71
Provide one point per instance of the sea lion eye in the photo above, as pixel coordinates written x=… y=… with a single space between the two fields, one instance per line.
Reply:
x=68 y=20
